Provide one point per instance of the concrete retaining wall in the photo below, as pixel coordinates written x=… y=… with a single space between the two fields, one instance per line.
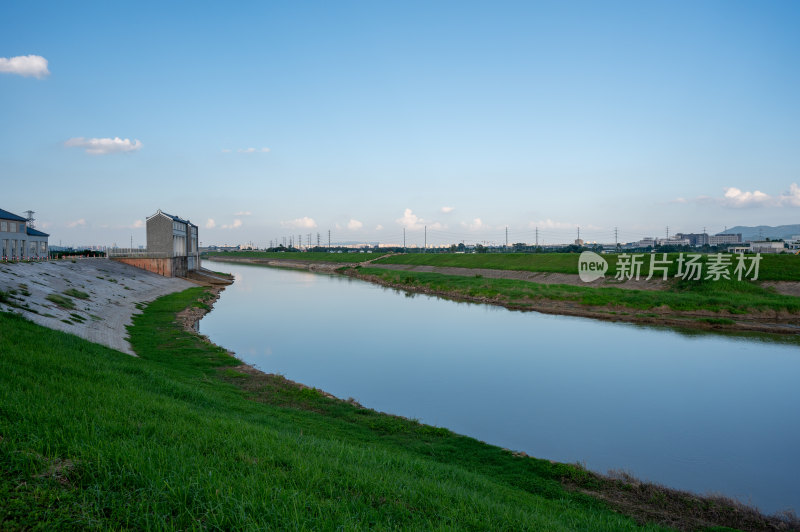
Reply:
x=168 y=267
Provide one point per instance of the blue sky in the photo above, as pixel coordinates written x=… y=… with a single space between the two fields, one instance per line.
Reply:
x=262 y=120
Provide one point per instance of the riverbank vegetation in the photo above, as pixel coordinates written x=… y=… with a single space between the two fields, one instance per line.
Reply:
x=782 y=267
x=187 y=437
x=724 y=303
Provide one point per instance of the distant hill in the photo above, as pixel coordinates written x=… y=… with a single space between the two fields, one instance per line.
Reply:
x=765 y=231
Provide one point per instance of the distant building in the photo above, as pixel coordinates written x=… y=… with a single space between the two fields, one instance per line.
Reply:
x=695 y=239
x=673 y=241
x=173 y=237
x=739 y=249
x=18 y=241
x=725 y=238
x=767 y=246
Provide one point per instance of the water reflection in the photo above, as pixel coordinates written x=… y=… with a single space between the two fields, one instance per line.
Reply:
x=691 y=410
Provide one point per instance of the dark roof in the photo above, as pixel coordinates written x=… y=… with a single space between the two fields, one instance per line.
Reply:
x=35 y=232
x=5 y=215
x=175 y=218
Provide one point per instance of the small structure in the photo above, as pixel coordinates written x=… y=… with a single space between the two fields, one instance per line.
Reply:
x=725 y=238
x=174 y=236
x=172 y=247
x=37 y=244
x=767 y=246
x=19 y=240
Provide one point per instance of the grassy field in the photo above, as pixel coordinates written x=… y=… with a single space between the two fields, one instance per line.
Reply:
x=772 y=267
x=182 y=438
x=716 y=296
x=92 y=438
x=310 y=255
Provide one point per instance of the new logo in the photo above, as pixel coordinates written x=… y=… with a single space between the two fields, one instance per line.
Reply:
x=591 y=266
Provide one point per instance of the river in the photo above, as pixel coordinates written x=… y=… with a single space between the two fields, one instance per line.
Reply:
x=701 y=412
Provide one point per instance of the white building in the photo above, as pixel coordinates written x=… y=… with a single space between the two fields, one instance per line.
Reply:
x=725 y=238
x=18 y=241
x=767 y=246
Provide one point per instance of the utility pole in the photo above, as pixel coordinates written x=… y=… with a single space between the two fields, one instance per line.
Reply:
x=579 y=232
x=425 y=249
x=616 y=238
x=667 y=232
x=537 y=237
x=404 y=239
x=329 y=239
x=506 y=237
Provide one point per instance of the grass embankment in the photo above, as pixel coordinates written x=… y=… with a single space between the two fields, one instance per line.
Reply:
x=182 y=438
x=734 y=297
x=315 y=256
x=772 y=267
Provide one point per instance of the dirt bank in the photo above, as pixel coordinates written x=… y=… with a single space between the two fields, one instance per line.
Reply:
x=534 y=277
x=91 y=298
x=764 y=322
x=314 y=266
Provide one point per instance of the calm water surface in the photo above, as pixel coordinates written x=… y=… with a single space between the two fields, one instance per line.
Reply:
x=698 y=412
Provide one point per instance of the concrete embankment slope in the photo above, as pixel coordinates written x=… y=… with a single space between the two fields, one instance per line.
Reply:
x=92 y=298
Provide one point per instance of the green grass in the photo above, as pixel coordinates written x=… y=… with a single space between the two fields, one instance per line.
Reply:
x=731 y=296
x=183 y=437
x=305 y=256
x=772 y=267
x=61 y=301
x=92 y=438
x=73 y=292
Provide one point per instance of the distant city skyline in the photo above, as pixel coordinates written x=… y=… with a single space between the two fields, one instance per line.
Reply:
x=258 y=121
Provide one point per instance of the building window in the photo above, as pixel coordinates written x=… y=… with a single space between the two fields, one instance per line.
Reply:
x=4 y=226
x=12 y=227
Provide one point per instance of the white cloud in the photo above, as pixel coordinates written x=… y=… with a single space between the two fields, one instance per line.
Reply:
x=243 y=213
x=34 y=66
x=211 y=224
x=252 y=150
x=137 y=224
x=739 y=198
x=103 y=146
x=236 y=224
x=76 y=223
x=448 y=210
x=791 y=198
x=226 y=150
x=354 y=224
x=412 y=222
x=475 y=225
x=300 y=223
x=379 y=227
